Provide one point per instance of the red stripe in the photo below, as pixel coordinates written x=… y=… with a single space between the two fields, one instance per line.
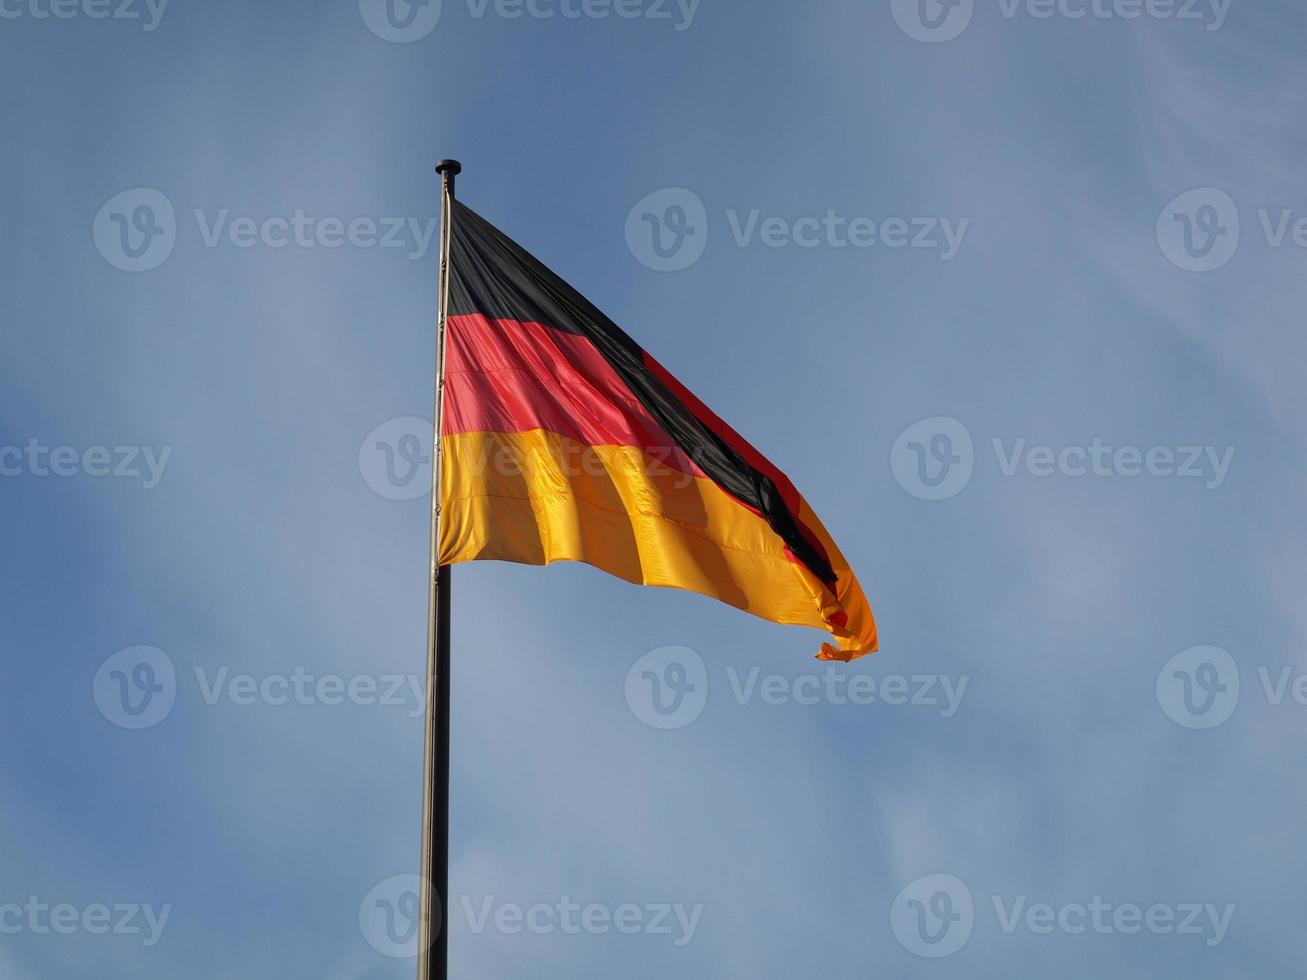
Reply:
x=510 y=376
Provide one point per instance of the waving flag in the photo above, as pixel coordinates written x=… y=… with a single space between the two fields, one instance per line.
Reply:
x=563 y=440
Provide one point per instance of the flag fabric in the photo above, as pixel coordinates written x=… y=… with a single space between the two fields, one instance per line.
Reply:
x=563 y=440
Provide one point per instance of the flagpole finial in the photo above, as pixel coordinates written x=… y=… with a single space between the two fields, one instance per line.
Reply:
x=452 y=167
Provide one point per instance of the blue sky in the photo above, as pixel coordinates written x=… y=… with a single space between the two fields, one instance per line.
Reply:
x=1099 y=375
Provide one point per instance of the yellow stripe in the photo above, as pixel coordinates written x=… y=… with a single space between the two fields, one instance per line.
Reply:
x=537 y=497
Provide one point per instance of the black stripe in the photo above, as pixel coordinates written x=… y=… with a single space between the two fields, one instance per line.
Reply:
x=494 y=276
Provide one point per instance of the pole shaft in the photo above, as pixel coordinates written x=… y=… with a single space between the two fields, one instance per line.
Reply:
x=433 y=896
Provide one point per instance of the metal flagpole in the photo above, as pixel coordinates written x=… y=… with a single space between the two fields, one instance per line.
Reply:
x=433 y=896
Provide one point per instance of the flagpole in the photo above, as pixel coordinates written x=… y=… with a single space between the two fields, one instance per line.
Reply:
x=433 y=897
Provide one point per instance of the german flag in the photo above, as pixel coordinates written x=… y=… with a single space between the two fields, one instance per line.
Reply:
x=563 y=440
